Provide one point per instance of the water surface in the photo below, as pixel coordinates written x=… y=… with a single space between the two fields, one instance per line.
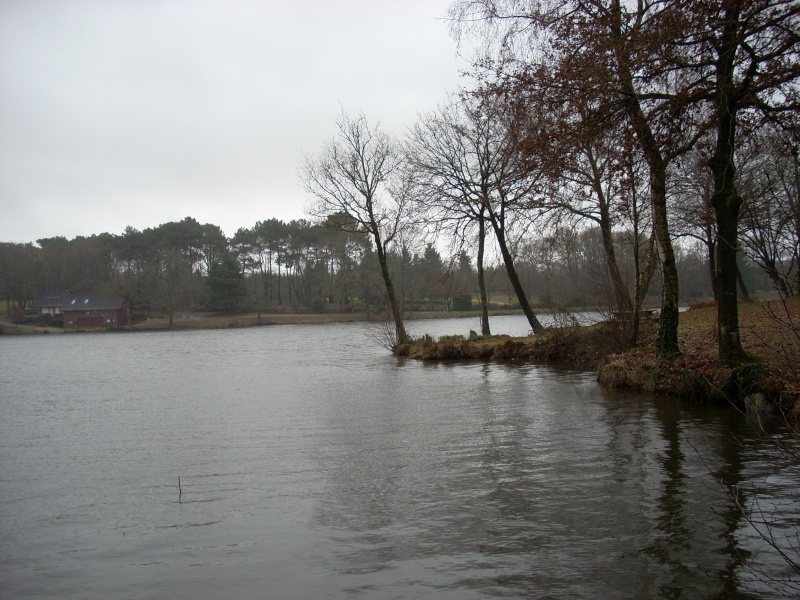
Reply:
x=314 y=464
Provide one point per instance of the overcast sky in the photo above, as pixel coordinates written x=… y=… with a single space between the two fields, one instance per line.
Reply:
x=140 y=112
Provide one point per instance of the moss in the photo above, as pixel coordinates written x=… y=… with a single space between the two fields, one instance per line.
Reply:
x=447 y=339
x=667 y=338
x=510 y=349
x=636 y=370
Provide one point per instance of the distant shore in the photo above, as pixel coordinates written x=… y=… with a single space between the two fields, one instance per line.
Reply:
x=198 y=320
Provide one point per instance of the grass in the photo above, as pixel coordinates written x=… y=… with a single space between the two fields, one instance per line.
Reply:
x=579 y=346
x=204 y=320
x=217 y=321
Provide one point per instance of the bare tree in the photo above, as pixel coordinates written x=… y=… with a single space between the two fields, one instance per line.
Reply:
x=469 y=158
x=451 y=167
x=676 y=71
x=358 y=174
x=597 y=178
x=745 y=54
x=690 y=203
x=598 y=57
x=769 y=180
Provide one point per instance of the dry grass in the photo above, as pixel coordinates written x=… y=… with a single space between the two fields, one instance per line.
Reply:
x=583 y=347
x=767 y=336
x=217 y=321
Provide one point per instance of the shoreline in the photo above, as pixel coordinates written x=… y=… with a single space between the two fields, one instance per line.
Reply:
x=770 y=332
x=233 y=321
x=770 y=339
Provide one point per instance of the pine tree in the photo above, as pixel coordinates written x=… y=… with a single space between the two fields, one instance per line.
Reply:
x=226 y=287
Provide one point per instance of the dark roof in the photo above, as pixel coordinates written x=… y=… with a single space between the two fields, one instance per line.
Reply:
x=51 y=298
x=72 y=302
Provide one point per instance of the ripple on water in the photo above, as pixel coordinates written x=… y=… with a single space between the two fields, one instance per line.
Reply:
x=313 y=464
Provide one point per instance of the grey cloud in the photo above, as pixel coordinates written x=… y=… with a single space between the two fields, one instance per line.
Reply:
x=116 y=113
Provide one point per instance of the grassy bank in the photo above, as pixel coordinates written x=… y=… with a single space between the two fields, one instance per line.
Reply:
x=583 y=347
x=204 y=320
x=219 y=321
x=770 y=335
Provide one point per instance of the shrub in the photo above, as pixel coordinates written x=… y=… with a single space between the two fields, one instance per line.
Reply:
x=317 y=304
x=17 y=317
x=47 y=320
x=462 y=302
x=451 y=338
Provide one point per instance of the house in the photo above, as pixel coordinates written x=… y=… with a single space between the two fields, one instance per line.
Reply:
x=49 y=303
x=93 y=311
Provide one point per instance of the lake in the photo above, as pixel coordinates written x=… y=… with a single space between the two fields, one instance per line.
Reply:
x=305 y=461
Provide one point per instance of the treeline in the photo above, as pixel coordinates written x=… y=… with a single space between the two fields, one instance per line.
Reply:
x=277 y=265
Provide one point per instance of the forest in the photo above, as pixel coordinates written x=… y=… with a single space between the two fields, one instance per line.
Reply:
x=293 y=266
x=609 y=155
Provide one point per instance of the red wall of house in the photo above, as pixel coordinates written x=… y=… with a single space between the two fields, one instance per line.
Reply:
x=95 y=319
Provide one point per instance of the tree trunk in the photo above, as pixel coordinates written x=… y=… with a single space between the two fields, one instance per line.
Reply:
x=268 y=281
x=513 y=277
x=742 y=284
x=624 y=306
x=726 y=200
x=399 y=327
x=777 y=278
x=644 y=273
x=485 y=330
x=730 y=345
x=667 y=337
x=712 y=263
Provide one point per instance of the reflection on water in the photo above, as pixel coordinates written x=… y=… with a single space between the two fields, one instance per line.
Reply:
x=314 y=465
